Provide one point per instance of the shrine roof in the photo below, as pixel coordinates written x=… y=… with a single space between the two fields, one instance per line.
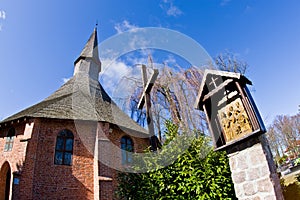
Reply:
x=223 y=75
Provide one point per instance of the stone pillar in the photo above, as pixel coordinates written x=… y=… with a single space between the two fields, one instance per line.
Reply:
x=253 y=170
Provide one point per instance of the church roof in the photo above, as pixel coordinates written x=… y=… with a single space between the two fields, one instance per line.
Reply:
x=81 y=98
x=90 y=50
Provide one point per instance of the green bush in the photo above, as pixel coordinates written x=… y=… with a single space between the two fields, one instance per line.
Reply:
x=297 y=162
x=192 y=176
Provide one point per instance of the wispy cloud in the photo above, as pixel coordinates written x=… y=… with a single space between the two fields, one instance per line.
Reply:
x=170 y=60
x=125 y=26
x=2 y=17
x=138 y=41
x=115 y=78
x=170 y=9
x=2 y=14
x=132 y=37
x=174 y=11
x=65 y=79
x=248 y=9
x=224 y=2
x=247 y=51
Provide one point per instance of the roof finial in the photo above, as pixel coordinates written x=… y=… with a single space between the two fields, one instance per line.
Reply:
x=90 y=49
x=96 y=24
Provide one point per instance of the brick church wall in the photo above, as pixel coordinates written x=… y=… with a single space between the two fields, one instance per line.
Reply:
x=16 y=156
x=32 y=159
x=39 y=177
x=114 y=134
x=61 y=181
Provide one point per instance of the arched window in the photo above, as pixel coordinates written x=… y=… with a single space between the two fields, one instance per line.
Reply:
x=127 y=147
x=10 y=140
x=64 y=148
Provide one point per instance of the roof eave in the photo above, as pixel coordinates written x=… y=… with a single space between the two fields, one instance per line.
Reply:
x=198 y=104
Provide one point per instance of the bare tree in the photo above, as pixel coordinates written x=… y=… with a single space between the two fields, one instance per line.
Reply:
x=229 y=62
x=174 y=94
x=284 y=135
x=276 y=143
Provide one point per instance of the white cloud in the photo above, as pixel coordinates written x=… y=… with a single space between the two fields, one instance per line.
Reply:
x=174 y=11
x=170 y=60
x=138 y=42
x=170 y=9
x=135 y=59
x=2 y=14
x=65 y=79
x=120 y=78
x=125 y=26
x=112 y=73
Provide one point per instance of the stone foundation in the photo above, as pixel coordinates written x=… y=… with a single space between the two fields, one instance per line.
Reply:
x=253 y=171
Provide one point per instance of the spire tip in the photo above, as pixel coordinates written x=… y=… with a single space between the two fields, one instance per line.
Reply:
x=96 y=24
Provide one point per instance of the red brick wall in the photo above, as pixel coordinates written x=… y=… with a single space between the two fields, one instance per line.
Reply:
x=107 y=188
x=61 y=181
x=40 y=178
x=15 y=157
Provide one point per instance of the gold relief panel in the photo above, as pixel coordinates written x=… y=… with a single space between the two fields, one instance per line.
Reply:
x=234 y=120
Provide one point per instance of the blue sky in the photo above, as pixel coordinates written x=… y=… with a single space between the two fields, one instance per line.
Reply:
x=39 y=41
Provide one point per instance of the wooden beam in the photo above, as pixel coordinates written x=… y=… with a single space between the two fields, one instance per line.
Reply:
x=217 y=89
x=146 y=99
x=147 y=87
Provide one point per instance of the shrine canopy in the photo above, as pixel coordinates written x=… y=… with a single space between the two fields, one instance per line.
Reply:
x=214 y=78
x=230 y=110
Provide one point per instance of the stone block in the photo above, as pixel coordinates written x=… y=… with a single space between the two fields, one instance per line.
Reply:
x=256 y=198
x=257 y=157
x=239 y=177
x=265 y=185
x=252 y=198
x=253 y=174
x=270 y=197
x=239 y=191
x=249 y=189
x=232 y=163
x=241 y=162
x=264 y=171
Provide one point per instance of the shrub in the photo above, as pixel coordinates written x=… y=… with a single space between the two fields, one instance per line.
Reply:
x=191 y=176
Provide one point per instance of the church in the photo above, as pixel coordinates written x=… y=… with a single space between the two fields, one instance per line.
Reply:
x=71 y=144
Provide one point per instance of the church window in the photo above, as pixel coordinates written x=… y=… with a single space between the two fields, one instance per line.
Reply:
x=64 y=148
x=10 y=139
x=127 y=149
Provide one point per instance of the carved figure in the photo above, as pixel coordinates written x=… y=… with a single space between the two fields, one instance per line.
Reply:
x=235 y=120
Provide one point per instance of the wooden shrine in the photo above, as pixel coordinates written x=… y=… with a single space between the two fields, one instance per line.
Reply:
x=230 y=110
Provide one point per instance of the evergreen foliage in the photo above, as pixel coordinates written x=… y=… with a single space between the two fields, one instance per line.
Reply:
x=199 y=173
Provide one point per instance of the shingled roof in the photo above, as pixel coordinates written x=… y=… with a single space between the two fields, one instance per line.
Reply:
x=82 y=97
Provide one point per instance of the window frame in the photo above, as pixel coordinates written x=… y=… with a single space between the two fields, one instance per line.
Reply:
x=127 y=147
x=64 y=135
x=9 y=142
